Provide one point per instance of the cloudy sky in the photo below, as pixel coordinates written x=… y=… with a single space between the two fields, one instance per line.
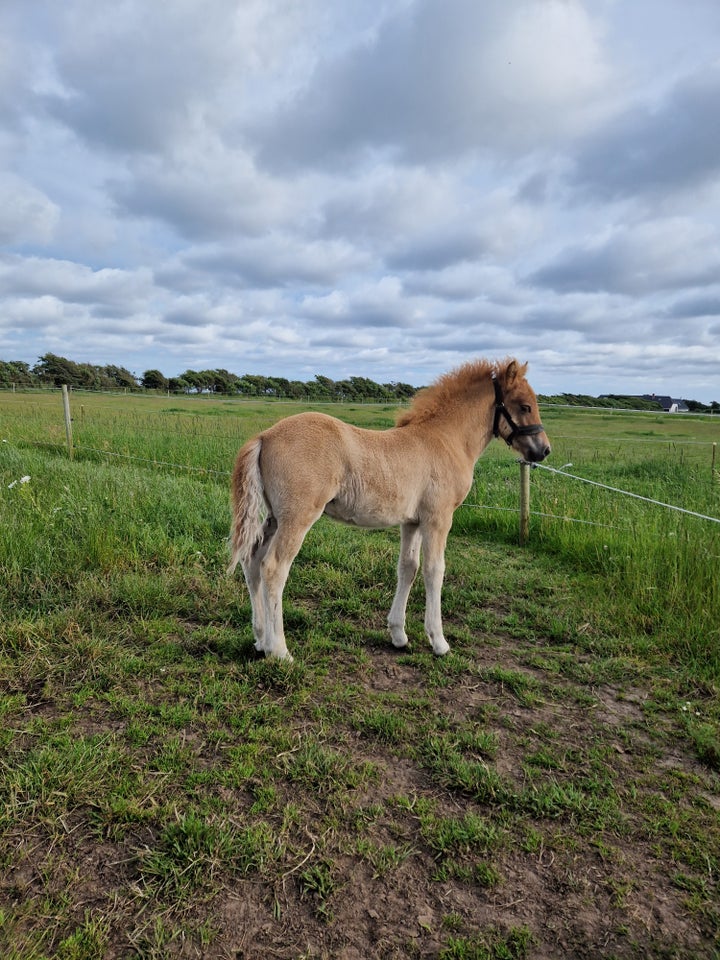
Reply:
x=380 y=188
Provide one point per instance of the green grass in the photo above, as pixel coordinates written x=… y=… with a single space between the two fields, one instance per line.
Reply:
x=164 y=792
x=490 y=946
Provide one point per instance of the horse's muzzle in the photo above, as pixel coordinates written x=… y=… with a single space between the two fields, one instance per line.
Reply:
x=536 y=449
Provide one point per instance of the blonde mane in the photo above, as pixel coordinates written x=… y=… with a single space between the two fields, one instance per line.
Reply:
x=452 y=388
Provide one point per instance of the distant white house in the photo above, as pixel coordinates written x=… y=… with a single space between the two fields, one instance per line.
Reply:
x=668 y=404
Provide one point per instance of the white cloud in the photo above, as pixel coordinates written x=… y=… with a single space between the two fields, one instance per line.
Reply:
x=276 y=260
x=204 y=190
x=443 y=79
x=27 y=215
x=72 y=282
x=658 y=254
x=657 y=145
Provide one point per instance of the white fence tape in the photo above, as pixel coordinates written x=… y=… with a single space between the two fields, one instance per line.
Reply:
x=626 y=493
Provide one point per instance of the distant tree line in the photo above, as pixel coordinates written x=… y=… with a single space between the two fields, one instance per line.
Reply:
x=54 y=371
x=615 y=401
x=611 y=401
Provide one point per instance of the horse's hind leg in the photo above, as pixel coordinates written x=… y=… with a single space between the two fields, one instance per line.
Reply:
x=253 y=578
x=408 y=564
x=274 y=566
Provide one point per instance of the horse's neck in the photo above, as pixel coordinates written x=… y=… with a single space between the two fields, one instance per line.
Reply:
x=477 y=428
x=466 y=428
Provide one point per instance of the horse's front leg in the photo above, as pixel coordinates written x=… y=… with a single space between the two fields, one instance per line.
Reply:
x=408 y=564
x=434 y=538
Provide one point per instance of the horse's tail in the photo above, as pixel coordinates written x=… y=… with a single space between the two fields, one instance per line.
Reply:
x=248 y=503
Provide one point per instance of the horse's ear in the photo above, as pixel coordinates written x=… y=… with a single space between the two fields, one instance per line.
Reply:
x=514 y=371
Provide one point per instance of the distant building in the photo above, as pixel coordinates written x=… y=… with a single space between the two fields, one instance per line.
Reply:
x=668 y=404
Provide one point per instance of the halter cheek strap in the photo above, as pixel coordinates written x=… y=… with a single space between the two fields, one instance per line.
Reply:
x=502 y=411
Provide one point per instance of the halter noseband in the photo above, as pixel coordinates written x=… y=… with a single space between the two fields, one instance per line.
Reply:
x=502 y=411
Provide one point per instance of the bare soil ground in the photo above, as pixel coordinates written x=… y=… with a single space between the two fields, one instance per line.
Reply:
x=594 y=835
x=607 y=893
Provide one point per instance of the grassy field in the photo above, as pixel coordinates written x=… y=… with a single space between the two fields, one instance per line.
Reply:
x=550 y=788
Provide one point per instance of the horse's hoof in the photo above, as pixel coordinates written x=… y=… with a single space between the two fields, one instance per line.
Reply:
x=282 y=657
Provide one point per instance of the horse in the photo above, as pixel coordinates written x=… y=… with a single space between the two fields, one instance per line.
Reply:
x=413 y=475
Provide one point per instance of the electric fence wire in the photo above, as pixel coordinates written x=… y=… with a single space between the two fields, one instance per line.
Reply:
x=559 y=472
x=659 y=503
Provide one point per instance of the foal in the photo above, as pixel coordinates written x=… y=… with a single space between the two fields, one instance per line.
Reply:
x=413 y=475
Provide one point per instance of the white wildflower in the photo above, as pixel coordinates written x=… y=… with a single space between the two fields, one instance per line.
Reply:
x=24 y=479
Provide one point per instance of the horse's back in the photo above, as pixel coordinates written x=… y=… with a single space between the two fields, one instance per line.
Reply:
x=306 y=434
x=372 y=478
x=317 y=439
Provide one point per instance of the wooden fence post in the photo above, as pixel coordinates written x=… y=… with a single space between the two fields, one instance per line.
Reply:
x=712 y=469
x=524 y=502
x=68 y=420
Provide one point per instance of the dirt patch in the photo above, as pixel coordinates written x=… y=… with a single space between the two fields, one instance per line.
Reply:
x=609 y=890
x=575 y=828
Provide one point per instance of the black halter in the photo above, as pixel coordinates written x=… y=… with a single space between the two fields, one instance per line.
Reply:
x=502 y=411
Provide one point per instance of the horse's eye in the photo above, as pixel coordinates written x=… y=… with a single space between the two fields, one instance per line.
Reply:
x=526 y=408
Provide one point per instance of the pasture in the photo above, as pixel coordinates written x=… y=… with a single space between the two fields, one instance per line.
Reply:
x=549 y=788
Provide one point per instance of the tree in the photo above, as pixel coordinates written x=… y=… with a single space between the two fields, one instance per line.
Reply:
x=199 y=380
x=251 y=385
x=217 y=381
x=280 y=386
x=88 y=377
x=120 y=377
x=321 y=387
x=297 y=389
x=17 y=372
x=57 y=371
x=154 y=380
x=225 y=382
x=402 y=391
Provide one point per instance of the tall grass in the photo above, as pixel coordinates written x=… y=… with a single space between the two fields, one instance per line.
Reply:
x=657 y=565
x=132 y=494
x=201 y=433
